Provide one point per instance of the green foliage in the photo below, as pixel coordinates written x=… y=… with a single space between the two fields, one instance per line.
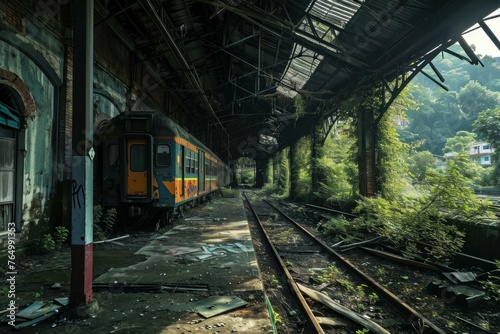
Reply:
x=276 y=317
x=391 y=154
x=439 y=115
x=373 y=297
x=274 y=281
x=283 y=173
x=488 y=127
x=329 y=275
x=419 y=163
x=336 y=227
x=423 y=219
x=230 y=193
x=244 y=170
x=46 y=244
x=346 y=284
x=475 y=98
x=363 y=331
x=492 y=284
x=336 y=165
x=104 y=221
x=460 y=143
x=299 y=103
x=301 y=169
x=284 y=236
x=61 y=235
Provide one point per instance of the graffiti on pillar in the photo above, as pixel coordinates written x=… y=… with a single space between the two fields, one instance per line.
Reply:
x=78 y=195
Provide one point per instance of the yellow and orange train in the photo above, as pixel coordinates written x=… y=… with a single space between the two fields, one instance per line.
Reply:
x=152 y=166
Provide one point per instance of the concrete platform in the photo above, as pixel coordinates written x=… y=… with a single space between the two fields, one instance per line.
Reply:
x=211 y=246
x=200 y=275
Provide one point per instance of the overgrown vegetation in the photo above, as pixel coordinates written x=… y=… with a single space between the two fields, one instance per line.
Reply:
x=492 y=284
x=336 y=166
x=419 y=225
x=48 y=243
x=230 y=193
x=416 y=198
x=104 y=221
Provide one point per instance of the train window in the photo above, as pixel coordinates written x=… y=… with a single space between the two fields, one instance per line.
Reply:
x=163 y=155
x=193 y=162
x=188 y=161
x=113 y=155
x=137 y=158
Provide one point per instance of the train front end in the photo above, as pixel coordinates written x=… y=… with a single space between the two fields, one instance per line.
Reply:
x=136 y=165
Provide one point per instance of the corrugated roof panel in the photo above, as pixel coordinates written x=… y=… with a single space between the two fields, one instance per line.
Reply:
x=304 y=62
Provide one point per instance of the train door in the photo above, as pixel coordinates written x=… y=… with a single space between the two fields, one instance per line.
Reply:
x=183 y=172
x=201 y=171
x=137 y=169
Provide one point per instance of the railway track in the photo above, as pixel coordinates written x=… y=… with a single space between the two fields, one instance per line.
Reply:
x=328 y=288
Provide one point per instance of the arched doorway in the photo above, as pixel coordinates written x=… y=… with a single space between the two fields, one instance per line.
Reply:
x=11 y=158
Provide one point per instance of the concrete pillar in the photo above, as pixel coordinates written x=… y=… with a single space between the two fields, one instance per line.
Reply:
x=83 y=153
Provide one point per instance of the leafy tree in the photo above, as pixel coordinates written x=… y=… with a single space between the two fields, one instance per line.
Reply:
x=419 y=163
x=460 y=143
x=439 y=115
x=475 y=98
x=486 y=75
x=488 y=127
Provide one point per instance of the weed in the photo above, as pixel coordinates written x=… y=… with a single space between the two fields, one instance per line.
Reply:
x=46 y=244
x=276 y=317
x=230 y=193
x=104 y=221
x=284 y=236
x=346 y=284
x=362 y=331
x=373 y=297
x=361 y=307
x=61 y=235
x=274 y=281
x=492 y=284
x=329 y=275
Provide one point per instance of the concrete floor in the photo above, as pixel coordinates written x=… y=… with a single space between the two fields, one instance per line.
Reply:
x=211 y=247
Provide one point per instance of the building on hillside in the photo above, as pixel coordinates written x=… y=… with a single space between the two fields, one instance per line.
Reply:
x=481 y=153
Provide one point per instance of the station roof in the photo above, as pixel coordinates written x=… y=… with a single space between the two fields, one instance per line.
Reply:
x=239 y=65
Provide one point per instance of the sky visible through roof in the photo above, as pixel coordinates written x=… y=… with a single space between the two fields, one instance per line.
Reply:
x=484 y=45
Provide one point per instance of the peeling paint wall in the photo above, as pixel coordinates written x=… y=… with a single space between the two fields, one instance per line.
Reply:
x=39 y=178
x=32 y=55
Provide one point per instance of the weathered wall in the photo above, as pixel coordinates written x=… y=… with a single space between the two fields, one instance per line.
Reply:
x=33 y=56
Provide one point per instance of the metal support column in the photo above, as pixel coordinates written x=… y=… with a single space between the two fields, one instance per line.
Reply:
x=83 y=153
x=367 y=161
